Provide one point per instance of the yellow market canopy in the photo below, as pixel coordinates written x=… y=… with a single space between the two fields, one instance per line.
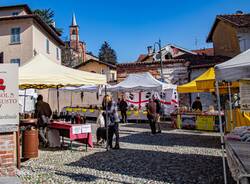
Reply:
x=191 y=87
x=40 y=73
x=204 y=83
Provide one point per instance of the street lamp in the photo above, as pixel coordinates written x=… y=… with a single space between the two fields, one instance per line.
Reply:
x=159 y=45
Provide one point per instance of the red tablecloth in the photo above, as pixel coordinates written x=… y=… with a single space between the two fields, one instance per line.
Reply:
x=63 y=126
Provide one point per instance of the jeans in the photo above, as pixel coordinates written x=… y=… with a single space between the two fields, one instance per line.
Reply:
x=113 y=129
x=152 y=124
x=42 y=134
x=124 y=116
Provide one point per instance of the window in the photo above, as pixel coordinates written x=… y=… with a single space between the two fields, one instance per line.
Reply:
x=15 y=35
x=15 y=61
x=57 y=54
x=243 y=45
x=112 y=77
x=15 y=13
x=47 y=45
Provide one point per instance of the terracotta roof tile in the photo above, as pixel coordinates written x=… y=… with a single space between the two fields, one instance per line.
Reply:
x=199 y=61
x=169 y=61
x=240 y=20
x=24 y=6
x=141 y=57
x=205 y=51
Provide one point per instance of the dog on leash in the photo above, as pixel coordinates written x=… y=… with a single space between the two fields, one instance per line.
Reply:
x=101 y=129
x=100 y=121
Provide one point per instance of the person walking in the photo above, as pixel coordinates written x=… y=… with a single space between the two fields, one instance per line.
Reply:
x=114 y=125
x=106 y=103
x=158 y=114
x=151 y=115
x=43 y=113
x=123 y=106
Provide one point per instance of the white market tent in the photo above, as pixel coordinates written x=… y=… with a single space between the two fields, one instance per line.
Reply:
x=235 y=68
x=140 y=82
x=232 y=70
x=40 y=72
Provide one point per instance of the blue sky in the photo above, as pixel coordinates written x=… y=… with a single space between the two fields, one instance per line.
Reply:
x=131 y=25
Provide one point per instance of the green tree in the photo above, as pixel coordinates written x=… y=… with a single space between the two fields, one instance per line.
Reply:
x=107 y=54
x=47 y=15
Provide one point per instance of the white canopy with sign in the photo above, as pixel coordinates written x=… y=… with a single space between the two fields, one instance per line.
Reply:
x=235 y=68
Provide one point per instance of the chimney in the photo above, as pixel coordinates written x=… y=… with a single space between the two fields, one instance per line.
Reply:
x=150 y=50
x=53 y=24
x=239 y=12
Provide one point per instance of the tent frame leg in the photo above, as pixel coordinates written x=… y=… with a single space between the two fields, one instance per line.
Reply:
x=24 y=102
x=106 y=124
x=221 y=133
x=58 y=105
x=230 y=106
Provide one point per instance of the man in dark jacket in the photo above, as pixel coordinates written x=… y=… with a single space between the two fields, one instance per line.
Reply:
x=43 y=113
x=197 y=104
x=123 y=106
x=151 y=114
x=158 y=113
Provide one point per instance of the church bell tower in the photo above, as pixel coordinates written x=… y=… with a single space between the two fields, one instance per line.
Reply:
x=74 y=34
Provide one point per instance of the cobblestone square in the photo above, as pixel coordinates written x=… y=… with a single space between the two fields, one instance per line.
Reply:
x=174 y=156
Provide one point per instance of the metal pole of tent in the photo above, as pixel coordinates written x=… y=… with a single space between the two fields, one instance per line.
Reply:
x=71 y=100
x=57 y=91
x=48 y=96
x=230 y=105
x=106 y=114
x=24 y=101
x=221 y=133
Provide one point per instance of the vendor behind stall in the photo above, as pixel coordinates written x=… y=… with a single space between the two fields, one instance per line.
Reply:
x=197 y=104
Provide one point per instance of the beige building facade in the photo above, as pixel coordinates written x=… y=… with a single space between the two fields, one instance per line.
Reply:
x=23 y=35
x=100 y=67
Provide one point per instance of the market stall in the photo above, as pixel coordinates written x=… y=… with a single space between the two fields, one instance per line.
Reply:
x=185 y=117
x=139 y=87
x=42 y=73
x=236 y=69
x=74 y=132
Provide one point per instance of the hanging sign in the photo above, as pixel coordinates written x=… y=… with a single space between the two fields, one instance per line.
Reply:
x=245 y=95
x=9 y=108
